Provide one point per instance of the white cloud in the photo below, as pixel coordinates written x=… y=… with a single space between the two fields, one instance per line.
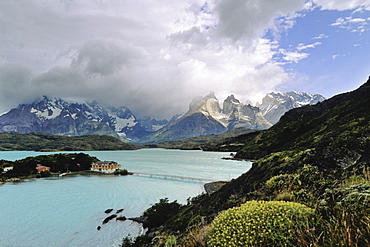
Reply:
x=293 y=56
x=321 y=36
x=304 y=47
x=343 y=4
x=335 y=56
x=352 y=24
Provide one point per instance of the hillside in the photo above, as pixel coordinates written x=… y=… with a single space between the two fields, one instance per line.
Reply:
x=315 y=155
x=337 y=129
x=48 y=142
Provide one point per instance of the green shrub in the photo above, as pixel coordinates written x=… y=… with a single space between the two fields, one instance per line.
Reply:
x=282 y=182
x=45 y=174
x=121 y=172
x=347 y=216
x=159 y=213
x=261 y=223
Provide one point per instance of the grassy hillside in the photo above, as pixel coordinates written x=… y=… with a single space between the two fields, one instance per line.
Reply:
x=317 y=156
x=47 y=142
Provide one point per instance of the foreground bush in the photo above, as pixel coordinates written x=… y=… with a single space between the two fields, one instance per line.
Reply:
x=347 y=215
x=261 y=223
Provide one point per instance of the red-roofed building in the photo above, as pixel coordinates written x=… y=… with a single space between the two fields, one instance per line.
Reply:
x=41 y=168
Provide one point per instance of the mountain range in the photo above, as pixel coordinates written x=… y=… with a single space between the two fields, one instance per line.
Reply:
x=205 y=116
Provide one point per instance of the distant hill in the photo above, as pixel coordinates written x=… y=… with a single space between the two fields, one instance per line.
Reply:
x=48 y=142
x=207 y=142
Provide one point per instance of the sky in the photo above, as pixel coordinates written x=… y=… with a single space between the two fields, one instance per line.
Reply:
x=156 y=56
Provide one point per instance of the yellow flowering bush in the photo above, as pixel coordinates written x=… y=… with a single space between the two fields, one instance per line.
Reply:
x=260 y=223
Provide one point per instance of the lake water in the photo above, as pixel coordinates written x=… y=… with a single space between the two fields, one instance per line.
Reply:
x=65 y=211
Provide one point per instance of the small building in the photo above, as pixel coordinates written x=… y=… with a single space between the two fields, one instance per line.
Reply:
x=8 y=168
x=105 y=166
x=41 y=168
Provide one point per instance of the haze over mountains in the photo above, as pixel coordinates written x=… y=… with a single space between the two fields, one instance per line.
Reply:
x=205 y=116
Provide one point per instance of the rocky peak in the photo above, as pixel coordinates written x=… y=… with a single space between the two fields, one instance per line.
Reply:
x=230 y=104
x=207 y=105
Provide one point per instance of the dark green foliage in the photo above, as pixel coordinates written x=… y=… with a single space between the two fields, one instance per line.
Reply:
x=48 y=142
x=347 y=215
x=159 y=213
x=45 y=174
x=57 y=163
x=121 y=172
x=140 y=241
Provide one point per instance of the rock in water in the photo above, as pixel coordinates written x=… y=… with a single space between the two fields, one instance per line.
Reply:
x=119 y=211
x=108 y=210
x=121 y=218
x=109 y=218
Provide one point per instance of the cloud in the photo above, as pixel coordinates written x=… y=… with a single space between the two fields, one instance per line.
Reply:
x=105 y=58
x=293 y=56
x=352 y=24
x=321 y=36
x=237 y=23
x=14 y=84
x=335 y=56
x=153 y=57
x=304 y=47
x=343 y=4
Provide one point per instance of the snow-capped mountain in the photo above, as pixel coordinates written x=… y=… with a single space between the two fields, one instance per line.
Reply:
x=206 y=117
x=234 y=114
x=243 y=115
x=275 y=104
x=59 y=117
x=151 y=123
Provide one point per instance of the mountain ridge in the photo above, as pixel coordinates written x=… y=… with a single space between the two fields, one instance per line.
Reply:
x=205 y=116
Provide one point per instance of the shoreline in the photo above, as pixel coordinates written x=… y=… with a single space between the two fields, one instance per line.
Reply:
x=64 y=174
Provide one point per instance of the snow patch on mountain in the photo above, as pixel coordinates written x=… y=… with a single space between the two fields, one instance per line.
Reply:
x=49 y=113
x=275 y=104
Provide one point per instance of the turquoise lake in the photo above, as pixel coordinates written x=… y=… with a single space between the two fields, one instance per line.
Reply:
x=66 y=211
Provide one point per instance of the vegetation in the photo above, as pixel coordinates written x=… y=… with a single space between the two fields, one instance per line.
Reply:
x=160 y=212
x=317 y=156
x=121 y=172
x=48 y=142
x=261 y=223
x=58 y=163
